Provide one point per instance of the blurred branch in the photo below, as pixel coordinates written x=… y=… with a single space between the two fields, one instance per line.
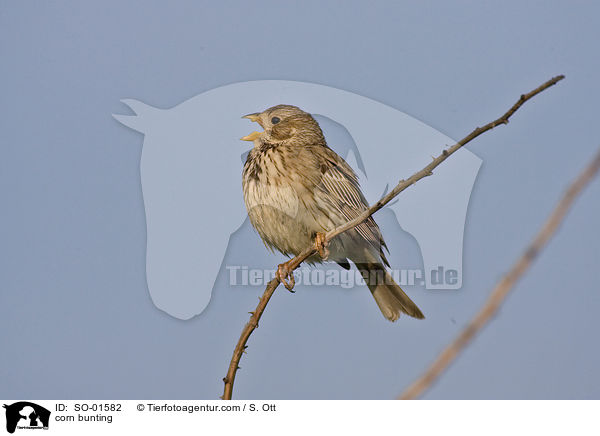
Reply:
x=502 y=289
x=401 y=186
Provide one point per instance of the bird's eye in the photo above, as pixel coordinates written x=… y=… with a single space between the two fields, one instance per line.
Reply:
x=275 y=120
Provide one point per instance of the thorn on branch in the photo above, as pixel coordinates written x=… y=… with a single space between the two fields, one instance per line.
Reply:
x=531 y=252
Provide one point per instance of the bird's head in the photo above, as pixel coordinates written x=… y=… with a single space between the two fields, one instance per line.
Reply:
x=285 y=125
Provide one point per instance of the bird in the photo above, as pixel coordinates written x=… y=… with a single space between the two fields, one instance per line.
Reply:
x=296 y=188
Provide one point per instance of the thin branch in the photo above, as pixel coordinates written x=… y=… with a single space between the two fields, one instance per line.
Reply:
x=502 y=289
x=402 y=185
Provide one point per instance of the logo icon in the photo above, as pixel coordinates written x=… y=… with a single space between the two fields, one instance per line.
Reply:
x=190 y=167
x=26 y=415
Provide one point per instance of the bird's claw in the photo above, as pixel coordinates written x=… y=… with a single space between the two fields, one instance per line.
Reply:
x=321 y=245
x=286 y=277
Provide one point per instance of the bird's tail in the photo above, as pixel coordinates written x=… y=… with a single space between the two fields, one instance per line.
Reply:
x=390 y=297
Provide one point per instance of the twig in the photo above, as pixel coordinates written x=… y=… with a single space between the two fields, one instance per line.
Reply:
x=502 y=289
x=402 y=185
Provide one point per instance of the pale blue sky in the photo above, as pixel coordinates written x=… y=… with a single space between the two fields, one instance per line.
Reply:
x=76 y=314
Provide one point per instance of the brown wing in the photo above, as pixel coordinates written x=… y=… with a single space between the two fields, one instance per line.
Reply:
x=340 y=186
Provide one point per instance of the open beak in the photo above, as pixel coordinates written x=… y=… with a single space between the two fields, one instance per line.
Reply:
x=255 y=117
x=251 y=137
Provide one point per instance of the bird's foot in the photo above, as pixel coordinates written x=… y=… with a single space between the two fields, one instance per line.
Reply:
x=286 y=276
x=321 y=245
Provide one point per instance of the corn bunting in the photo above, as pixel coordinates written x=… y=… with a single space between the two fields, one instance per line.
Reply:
x=296 y=189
